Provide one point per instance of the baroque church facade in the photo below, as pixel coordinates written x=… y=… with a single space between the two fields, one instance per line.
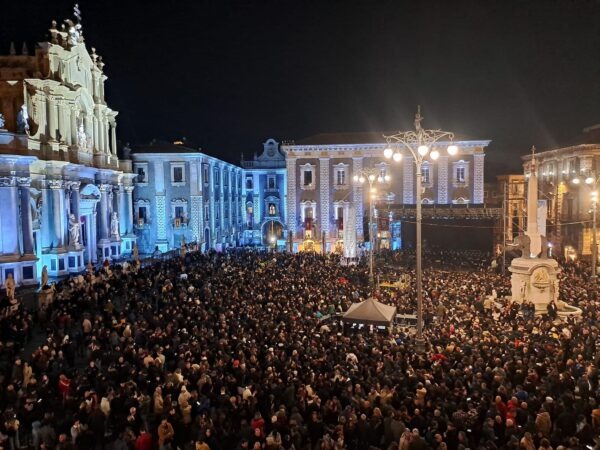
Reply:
x=66 y=197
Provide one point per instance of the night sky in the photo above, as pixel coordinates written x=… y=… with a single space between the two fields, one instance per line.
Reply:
x=230 y=74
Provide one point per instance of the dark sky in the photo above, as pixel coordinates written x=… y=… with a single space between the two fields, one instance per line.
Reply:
x=230 y=74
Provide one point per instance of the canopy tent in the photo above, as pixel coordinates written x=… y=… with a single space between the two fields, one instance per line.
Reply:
x=370 y=312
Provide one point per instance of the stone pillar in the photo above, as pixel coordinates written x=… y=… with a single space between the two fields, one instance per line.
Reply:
x=41 y=109
x=101 y=135
x=128 y=209
x=93 y=237
x=9 y=223
x=58 y=210
x=408 y=175
x=324 y=194
x=26 y=228
x=357 y=196
x=96 y=134
x=113 y=136
x=122 y=206
x=292 y=203
x=104 y=208
x=52 y=119
x=74 y=187
x=46 y=219
x=442 y=183
x=478 y=178
x=73 y=118
x=89 y=132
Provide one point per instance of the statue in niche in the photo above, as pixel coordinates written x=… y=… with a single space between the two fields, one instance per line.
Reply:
x=82 y=140
x=114 y=226
x=2 y=121
x=10 y=286
x=45 y=276
x=22 y=120
x=74 y=230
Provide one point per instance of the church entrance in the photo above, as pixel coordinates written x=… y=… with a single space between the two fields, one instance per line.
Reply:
x=272 y=231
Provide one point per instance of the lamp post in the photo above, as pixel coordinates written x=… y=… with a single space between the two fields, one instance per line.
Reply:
x=592 y=182
x=371 y=176
x=419 y=143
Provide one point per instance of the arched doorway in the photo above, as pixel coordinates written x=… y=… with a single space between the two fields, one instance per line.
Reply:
x=272 y=231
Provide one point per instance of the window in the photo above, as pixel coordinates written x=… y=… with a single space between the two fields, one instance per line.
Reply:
x=271 y=182
x=206 y=212
x=141 y=170
x=178 y=173
x=226 y=179
x=249 y=183
x=272 y=209
x=425 y=174
x=205 y=173
x=141 y=175
x=307 y=177
x=460 y=174
x=340 y=177
x=142 y=214
x=216 y=183
x=179 y=212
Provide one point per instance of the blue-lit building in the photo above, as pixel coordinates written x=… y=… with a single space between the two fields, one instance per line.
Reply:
x=265 y=197
x=182 y=193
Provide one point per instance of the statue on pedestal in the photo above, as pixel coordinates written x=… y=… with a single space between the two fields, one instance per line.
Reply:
x=82 y=140
x=74 y=229
x=114 y=227
x=44 y=276
x=10 y=286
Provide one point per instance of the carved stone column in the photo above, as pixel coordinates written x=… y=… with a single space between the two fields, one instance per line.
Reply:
x=104 y=211
x=478 y=178
x=57 y=188
x=73 y=118
x=10 y=225
x=96 y=134
x=26 y=226
x=442 y=180
x=52 y=118
x=128 y=208
x=113 y=138
x=324 y=194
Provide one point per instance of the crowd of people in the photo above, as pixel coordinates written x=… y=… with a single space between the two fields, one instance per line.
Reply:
x=245 y=350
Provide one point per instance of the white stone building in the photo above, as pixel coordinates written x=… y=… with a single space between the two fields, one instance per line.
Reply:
x=66 y=198
x=320 y=187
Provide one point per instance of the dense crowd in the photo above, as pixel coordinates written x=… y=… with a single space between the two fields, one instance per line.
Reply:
x=244 y=351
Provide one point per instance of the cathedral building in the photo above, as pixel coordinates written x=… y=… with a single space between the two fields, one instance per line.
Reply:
x=66 y=197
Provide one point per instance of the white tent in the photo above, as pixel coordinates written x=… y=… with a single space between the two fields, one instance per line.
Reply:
x=370 y=312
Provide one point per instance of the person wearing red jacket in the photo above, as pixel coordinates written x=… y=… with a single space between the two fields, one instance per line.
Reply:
x=144 y=441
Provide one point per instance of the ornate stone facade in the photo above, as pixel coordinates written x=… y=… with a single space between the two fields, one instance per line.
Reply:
x=57 y=146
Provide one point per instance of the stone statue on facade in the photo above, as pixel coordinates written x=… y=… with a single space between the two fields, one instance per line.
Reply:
x=74 y=231
x=10 y=286
x=22 y=120
x=82 y=141
x=44 y=276
x=114 y=226
x=2 y=121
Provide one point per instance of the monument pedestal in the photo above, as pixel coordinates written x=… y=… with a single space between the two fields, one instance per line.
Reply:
x=534 y=280
x=75 y=260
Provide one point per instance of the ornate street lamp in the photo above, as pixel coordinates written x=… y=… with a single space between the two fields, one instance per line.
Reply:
x=371 y=176
x=419 y=143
